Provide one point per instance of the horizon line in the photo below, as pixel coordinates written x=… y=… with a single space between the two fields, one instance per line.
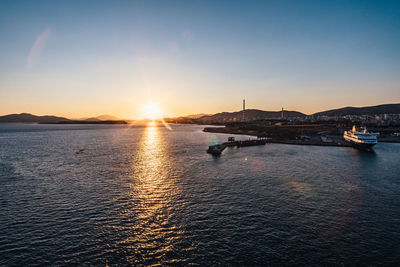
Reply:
x=206 y=114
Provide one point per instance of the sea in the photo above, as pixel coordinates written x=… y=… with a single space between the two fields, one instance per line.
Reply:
x=122 y=195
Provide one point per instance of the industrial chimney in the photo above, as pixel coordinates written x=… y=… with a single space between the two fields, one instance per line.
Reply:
x=244 y=108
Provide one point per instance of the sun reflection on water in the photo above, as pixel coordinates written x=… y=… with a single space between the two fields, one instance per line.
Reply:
x=154 y=193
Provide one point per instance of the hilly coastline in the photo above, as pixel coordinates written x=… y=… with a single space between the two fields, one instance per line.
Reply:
x=255 y=114
x=30 y=118
x=218 y=118
x=27 y=117
x=251 y=115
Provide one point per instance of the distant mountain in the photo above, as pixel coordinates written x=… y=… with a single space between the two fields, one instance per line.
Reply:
x=196 y=116
x=250 y=115
x=372 y=110
x=103 y=118
x=89 y=122
x=90 y=119
x=98 y=118
x=26 y=117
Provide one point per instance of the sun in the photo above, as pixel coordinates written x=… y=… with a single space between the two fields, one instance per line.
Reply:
x=152 y=111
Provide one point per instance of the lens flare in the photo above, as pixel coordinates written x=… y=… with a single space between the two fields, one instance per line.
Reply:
x=152 y=111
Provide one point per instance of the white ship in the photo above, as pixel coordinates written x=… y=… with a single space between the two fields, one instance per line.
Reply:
x=361 y=139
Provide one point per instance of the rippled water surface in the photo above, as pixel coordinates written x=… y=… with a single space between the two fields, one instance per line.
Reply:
x=150 y=195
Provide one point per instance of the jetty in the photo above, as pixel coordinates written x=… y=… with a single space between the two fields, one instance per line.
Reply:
x=217 y=149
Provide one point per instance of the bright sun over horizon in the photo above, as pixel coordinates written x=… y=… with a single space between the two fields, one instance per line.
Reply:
x=152 y=111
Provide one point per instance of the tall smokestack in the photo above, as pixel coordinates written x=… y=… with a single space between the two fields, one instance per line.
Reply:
x=244 y=108
x=282 y=113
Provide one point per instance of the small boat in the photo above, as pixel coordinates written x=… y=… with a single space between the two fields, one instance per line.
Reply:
x=80 y=151
x=215 y=150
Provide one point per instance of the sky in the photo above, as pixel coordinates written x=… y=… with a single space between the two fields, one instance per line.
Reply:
x=87 y=58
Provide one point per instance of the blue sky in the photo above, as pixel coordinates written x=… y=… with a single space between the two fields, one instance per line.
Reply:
x=85 y=58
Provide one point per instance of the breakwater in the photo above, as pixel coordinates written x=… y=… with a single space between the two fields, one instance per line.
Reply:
x=305 y=140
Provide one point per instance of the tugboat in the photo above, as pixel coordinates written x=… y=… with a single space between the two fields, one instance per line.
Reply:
x=361 y=139
x=215 y=150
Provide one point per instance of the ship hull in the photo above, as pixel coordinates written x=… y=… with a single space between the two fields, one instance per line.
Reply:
x=362 y=146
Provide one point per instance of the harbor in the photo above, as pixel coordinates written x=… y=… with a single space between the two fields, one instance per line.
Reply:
x=293 y=130
x=312 y=135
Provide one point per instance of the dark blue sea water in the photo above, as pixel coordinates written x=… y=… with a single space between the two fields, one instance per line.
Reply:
x=151 y=195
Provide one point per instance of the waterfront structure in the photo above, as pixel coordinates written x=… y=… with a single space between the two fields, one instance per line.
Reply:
x=217 y=149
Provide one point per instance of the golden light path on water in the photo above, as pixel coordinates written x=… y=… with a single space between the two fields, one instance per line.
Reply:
x=154 y=193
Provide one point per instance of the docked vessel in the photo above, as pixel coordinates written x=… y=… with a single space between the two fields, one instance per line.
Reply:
x=361 y=138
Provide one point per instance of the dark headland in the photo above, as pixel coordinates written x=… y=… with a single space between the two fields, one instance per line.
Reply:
x=86 y=122
x=30 y=118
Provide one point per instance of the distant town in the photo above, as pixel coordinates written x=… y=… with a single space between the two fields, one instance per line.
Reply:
x=292 y=127
x=382 y=115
